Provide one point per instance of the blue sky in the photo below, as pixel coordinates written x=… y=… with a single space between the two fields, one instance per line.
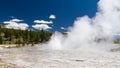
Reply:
x=66 y=11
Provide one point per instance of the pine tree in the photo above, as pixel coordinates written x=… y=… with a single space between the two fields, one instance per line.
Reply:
x=1 y=40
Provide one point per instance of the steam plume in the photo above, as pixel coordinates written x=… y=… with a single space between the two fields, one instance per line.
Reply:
x=91 y=33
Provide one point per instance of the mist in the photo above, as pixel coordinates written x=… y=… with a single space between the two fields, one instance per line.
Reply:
x=91 y=34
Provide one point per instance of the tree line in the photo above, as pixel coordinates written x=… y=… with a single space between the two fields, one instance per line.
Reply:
x=12 y=36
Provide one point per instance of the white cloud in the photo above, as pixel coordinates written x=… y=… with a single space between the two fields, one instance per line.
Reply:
x=23 y=26
x=13 y=24
x=52 y=16
x=8 y=22
x=43 y=22
x=62 y=28
x=16 y=20
x=41 y=26
x=12 y=21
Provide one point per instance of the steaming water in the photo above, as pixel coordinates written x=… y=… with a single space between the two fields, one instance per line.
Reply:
x=91 y=34
x=87 y=44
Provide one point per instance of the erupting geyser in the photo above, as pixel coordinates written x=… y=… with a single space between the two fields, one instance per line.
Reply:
x=91 y=33
x=89 y=36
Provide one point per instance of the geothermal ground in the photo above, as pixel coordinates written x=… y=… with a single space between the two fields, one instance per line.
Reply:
x=33 y=57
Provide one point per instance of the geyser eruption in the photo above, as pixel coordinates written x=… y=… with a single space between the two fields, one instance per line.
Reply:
x=91 y=33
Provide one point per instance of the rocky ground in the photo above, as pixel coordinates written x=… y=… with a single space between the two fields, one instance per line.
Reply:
x=4 y=64
x=34 y=57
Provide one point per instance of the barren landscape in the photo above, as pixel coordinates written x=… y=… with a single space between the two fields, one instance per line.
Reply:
x=34 y=57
